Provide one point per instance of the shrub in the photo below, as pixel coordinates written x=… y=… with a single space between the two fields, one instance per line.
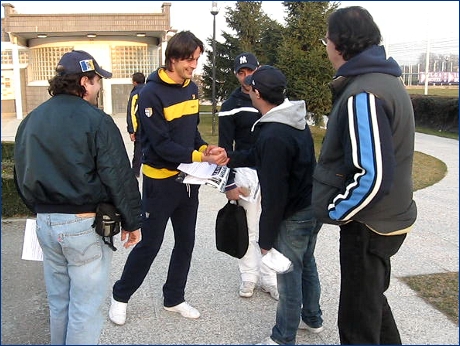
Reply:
x=436 y=112
x=7 y=151
x=12 y=205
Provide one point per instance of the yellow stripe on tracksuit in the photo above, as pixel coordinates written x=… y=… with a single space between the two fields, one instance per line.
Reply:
x=178 y=110
x=134 y=111
x=163 y=173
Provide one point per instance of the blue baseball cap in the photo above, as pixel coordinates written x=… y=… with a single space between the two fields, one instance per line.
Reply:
x=247 y=60
x=268 y=80
x=79 y=61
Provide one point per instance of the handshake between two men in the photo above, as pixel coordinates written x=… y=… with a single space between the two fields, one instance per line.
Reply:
x=216 y=155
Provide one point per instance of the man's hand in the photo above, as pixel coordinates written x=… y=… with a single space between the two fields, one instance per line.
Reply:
x=133 y=237
x=133 y=137
x=216 y=155
x=209 y=148
x=234 y=194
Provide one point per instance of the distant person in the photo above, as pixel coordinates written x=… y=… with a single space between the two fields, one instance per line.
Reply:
x=363 y=180
x=133 y=122
x=69 y=157
x=169 y=113
x=284 y=157
x=236 y=119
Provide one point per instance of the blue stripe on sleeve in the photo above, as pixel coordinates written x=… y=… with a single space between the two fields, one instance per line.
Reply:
x=366 y=157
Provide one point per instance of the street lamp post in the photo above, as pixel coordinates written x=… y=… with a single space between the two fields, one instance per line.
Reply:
x=214 y=12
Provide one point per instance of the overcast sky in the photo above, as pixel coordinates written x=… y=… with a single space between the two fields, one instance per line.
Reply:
x=399 y=21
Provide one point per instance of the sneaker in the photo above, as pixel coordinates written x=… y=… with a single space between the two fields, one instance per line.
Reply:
x=304 y=326
x=272 y=290
x=117 y=312
x=185 y=309
x=268 y=341
x=247 y=289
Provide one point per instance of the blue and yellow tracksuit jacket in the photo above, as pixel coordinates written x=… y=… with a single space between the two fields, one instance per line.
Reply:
x=169 y=115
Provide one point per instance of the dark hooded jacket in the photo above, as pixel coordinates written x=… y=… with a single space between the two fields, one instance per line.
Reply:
x=284 y=157
x=364 y=170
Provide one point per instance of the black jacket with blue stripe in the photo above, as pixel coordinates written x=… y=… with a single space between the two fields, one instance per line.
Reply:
x=364 y=171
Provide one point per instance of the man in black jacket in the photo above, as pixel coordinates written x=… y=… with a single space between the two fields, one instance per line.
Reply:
x=69 y=157
x=284 y=157
x=236 y=119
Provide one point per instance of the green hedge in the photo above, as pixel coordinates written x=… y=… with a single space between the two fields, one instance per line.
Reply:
x=7 y=151
x=436 y=112
x=12 y=205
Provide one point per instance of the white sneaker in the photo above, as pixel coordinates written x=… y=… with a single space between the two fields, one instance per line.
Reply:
x=247 y=289
x=185 y=309
x=304 y=326
x=117 y=312
x=272 y=290
x=268 y=341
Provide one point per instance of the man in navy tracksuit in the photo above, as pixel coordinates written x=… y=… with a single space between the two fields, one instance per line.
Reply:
x=133 y=122
x=169 y=112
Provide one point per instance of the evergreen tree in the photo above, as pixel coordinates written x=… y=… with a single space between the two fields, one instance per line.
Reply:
x=295 y=49
x=303 y=58
x=253 y=32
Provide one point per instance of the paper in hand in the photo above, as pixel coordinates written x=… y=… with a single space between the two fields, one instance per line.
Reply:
x=276 y=261
x=31 y=249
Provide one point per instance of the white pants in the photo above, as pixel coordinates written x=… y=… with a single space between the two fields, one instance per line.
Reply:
x=251 y=267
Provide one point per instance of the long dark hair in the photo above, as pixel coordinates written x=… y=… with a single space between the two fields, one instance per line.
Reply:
x=352 y=29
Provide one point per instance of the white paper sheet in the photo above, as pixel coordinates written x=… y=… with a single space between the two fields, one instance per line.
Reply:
x=31 y=249
x=199 y=173
x=198 y=169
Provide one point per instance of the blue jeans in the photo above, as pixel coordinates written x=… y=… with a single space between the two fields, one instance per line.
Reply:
x=299 y=289
x=76 y=266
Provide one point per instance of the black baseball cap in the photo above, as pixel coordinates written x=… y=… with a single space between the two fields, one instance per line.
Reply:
x=245 y=60
x=79 y=61
x=268 y=80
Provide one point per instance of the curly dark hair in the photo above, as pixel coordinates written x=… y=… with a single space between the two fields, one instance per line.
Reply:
x=353 y=30
x=68 y=84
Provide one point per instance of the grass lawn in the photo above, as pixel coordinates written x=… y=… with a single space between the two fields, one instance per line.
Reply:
x=451 y=90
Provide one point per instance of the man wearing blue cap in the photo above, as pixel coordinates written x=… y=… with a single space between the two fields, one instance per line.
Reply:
x=284 y=157
x=70 y=157
x=236 y=119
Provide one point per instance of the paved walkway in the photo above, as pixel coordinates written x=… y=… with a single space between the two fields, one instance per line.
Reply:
x=432 y=247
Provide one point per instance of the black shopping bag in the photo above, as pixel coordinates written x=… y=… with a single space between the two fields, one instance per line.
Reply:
x=232 y=230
